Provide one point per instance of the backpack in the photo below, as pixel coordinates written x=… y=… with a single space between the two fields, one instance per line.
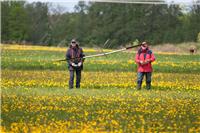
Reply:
x=148 y=52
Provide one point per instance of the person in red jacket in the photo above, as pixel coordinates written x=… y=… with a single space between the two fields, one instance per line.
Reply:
x=143 y=58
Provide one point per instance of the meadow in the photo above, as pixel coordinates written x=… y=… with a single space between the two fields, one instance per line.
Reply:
x=35 y=95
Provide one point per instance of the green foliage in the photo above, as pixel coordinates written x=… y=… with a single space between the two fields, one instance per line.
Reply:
x=39 y=30
x=136 y=42
x=92 y=24
x=14 y=18
x=198 y=38
x=5 y=10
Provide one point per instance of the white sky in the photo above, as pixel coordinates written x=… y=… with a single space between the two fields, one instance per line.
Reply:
x=69 y=4
x=75 y=1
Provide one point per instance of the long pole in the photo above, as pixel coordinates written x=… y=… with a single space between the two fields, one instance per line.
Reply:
x=103 y=54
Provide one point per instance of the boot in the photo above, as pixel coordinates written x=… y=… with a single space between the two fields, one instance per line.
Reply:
x=148 y=86
x=138 y=86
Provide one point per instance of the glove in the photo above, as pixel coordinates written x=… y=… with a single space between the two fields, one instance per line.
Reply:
x=142 y=62
x=148 y=60
x=79 y=64
x=74 y=65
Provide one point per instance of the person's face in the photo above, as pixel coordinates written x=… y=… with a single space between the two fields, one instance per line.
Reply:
x=144 y=46
x=73 y=44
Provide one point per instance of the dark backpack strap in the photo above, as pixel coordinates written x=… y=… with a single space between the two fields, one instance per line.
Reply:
x=148 y=52
x=139 y=51
x=79 y=53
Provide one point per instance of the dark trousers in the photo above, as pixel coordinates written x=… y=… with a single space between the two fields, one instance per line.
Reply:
x=140 y=77
x=78 y=78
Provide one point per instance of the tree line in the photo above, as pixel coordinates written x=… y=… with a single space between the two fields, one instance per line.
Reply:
x=93 y=23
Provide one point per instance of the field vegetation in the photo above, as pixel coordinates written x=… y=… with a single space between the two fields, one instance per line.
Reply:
x=35 y=95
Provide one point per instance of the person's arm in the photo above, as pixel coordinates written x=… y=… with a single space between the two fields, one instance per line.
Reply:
x=82 y=55
x=137 y=60
x=152 y=59
x=68 y=57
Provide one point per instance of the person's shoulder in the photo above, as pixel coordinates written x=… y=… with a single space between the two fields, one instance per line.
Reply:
x=81 y=48
x=68 y=49
x=150 y=51
x=139 y=51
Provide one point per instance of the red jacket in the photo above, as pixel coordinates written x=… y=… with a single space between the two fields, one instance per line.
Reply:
x=144 y=55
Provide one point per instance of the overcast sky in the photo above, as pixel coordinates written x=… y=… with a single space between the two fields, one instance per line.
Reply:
x=75 y=1
x=69 y=4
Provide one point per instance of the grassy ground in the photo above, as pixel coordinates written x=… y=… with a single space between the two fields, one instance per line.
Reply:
x=35 y=95
x=39 y=59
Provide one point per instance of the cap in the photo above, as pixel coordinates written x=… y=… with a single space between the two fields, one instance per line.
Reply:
x=144 y=44
x=73 y=41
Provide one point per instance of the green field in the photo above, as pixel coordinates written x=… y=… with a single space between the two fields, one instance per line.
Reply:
x=35 y=95
x=43 y=60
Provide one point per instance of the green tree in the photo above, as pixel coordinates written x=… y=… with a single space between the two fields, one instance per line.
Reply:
x=15 y=22
x=194 y=27
x=5 y=11
x=38 y=22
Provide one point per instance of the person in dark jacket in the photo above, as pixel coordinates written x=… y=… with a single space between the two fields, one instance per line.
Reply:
x=75 y=60
x=144 y=58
